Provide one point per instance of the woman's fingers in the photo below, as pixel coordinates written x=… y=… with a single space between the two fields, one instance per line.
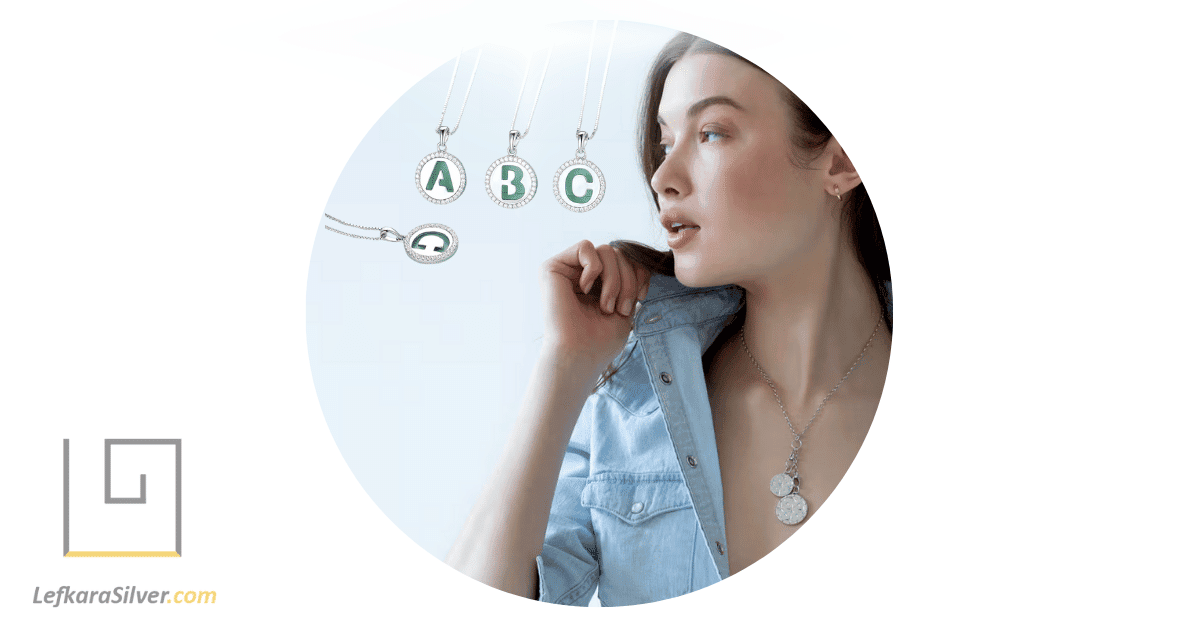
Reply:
x=611 y=278
x=629 y=286
x=590 y=261
x=643 y=276
x=622 y=283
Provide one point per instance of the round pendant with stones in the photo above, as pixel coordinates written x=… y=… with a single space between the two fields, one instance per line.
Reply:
x=791 y=509
x=579 y=185
x=441 y=177
x=783 y=484
x=431 y=243
x=511 y=182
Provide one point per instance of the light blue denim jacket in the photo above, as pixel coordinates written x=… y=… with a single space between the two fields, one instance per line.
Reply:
x=638 y=511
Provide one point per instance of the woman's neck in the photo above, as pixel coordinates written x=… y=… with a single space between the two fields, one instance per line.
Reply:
x=807 y=323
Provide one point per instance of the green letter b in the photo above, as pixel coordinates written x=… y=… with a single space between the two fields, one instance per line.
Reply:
x=515 y=184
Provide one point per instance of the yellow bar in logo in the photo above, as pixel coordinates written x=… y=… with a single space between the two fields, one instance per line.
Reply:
x=118 y=554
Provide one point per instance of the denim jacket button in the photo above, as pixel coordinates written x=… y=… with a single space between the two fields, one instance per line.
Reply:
x=720 y=548
x=654 y=319
x=691 y=461
x=636 y=508
x=665 y=377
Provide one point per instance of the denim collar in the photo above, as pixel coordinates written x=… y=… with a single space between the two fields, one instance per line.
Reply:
x=669 y=304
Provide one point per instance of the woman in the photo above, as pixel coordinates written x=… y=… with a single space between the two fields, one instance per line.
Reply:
x=655 y=482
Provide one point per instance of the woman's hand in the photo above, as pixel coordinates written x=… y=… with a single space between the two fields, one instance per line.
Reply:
x=590 y=293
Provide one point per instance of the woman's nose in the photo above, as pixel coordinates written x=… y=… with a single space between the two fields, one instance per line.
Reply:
x=671 y=178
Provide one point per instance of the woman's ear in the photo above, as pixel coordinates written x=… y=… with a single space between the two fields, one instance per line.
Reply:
x=840 y=175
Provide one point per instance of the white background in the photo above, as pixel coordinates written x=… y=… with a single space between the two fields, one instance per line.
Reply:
x=1031 y=462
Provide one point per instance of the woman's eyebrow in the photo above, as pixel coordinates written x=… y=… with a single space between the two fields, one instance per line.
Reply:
x=700 y=105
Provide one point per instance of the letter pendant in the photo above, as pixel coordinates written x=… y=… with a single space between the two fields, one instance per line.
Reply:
x=441 y=177
x=431 y=243
x=579 y=185
x=511 y=182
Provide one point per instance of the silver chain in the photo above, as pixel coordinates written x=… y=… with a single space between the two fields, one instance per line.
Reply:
x=451 y=89
x=587 y=74
x=796 y=442
x=384 y=232
x=536 y=96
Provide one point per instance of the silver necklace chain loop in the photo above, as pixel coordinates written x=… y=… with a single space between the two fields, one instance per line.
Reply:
x=796 y=437
x=604 y=81
x=529 y=124
x=449 y=90
x=385 y=233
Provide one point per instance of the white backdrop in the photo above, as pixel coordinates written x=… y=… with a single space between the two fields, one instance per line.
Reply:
x=164 y=169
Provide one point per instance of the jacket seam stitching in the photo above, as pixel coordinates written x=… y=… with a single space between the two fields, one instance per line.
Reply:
x=573 y=594
x=617 y=400
x=642 y=334
x=690 y=293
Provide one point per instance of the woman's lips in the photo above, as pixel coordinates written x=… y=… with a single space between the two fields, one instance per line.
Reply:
x=680 y=237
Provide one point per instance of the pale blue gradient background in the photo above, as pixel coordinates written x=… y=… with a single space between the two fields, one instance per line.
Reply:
x=420 y=368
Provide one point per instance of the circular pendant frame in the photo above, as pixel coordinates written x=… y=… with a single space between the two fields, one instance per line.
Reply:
x=783 y=484
x=599 y=190
x=791 y=509
x=531 y=184
x=462 y=176
x=448 y=249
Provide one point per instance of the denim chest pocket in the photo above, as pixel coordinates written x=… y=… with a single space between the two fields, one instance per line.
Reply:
x=636 y=497
x=646 y=532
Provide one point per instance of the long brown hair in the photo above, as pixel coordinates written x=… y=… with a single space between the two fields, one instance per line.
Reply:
x=809 y=138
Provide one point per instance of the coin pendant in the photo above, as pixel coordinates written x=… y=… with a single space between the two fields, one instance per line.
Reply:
x=511 y=182
x=441 y=177
x=431 y=243
x=579 y=185
x=782 y=484
x=791 y=509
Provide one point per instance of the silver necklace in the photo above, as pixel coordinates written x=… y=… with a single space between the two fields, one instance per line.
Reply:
x=510 y=180
x=441 y=177
x=431 y=243
x=579 y=184
x=792 y=508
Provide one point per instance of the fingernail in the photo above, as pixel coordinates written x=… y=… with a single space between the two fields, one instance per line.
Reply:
x=627 y=307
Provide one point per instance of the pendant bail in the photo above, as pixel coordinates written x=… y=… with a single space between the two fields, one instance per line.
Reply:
x=514 y=136
x=443 y=135
x=582 y=138
x=390 y=234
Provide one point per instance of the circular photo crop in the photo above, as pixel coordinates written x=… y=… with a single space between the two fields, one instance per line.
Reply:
x=632 y=385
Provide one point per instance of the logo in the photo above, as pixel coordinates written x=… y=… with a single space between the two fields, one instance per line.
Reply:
x=146 y=521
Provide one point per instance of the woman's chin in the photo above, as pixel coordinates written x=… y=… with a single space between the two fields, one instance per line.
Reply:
x=694 y=276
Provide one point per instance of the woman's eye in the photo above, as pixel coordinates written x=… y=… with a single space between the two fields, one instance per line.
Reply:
x=666 y=148
x=708 y=136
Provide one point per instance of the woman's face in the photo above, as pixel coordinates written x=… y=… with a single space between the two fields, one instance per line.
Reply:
x=746 y=210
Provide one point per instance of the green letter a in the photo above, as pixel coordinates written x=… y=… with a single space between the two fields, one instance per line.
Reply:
x=439 y=167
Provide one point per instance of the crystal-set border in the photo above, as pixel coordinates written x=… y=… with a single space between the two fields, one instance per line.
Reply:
x=441 y=154
x=791 y=509
x=531 y=185
x=431 y=259
x=599 y=190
